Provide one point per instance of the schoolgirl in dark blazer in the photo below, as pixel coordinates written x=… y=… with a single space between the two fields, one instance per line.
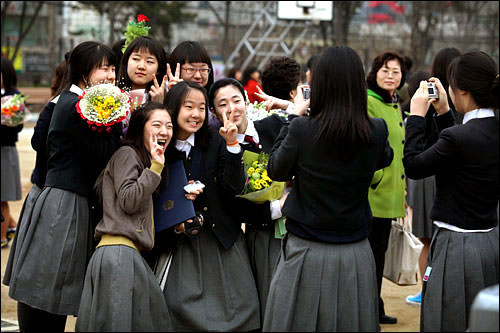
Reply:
x=39 y=144
x=47 y=278
x=463 y=256
x=332 y=156
x=227 y=96
x=209 y=286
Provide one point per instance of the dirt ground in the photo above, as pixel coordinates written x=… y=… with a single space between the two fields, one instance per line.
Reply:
x=394 y=296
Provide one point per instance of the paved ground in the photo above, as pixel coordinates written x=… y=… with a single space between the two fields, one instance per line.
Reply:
x=393 y=295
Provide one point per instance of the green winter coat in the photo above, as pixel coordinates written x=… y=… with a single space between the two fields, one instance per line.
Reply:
x=387 y=200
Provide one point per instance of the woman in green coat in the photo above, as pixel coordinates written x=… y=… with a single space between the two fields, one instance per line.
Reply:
x=387 y=194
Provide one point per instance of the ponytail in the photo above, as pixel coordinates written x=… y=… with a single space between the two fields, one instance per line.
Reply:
x=477 y=73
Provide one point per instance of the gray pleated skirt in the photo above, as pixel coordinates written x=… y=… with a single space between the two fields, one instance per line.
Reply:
x=264 y=252
x=121 y=294
x=210 y=288
x=20 y=235
x=420 y=197
x=323 y=287
x=462 y=265
x=49 y=271
x=11 y=174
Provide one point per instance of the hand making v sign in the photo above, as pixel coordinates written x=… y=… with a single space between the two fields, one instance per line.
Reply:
x=229 y=132
x=173 y=79
x=156 y=91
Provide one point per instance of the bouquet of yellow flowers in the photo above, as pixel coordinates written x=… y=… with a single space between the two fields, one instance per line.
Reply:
x=259 y=187
x=103 y=105
x=13 y=110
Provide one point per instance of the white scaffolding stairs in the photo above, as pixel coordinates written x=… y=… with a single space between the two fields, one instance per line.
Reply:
x=268 y=37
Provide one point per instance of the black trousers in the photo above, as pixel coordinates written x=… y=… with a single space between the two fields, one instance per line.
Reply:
x=35 y=320
x=379 y=239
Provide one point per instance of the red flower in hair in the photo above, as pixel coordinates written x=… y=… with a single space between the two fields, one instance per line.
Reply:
x=141 y=18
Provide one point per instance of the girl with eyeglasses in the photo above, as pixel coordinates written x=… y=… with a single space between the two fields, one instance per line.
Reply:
x=189 y=61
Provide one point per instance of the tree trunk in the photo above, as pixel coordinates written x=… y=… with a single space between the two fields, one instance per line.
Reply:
x=24 y=32
x=225 y=46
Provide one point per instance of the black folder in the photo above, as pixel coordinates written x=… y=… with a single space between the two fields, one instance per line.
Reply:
x=172 y=207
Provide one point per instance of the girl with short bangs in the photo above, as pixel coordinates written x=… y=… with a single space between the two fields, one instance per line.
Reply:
x=209 y=286
x=143 y=70
x=49 y=268
x=189 y=61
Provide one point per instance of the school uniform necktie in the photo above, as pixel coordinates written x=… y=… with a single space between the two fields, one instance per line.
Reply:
x=250 y=139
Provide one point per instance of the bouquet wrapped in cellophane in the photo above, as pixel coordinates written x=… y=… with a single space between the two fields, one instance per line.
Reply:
x=257 y=111
x=103 y=105
x=13 y=110
x=259 y=188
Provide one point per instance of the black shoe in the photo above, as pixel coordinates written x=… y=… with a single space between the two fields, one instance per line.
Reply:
x=387 y=320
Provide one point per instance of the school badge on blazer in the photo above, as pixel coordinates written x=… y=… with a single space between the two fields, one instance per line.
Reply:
x=172 y=207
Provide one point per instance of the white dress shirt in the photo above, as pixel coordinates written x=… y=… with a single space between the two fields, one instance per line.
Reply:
x=185 y=145
x=478 y=113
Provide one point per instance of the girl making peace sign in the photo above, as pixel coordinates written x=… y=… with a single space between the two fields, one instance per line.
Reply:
x=143 y=70
x=210 y=286
x=120 y=291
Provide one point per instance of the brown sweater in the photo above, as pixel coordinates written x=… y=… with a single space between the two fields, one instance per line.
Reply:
x=125 y=188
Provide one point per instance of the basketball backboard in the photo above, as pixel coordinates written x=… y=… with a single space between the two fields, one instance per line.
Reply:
x=305 y=10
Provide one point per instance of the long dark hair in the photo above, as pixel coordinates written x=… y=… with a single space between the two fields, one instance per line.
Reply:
x=135 y=135
x=148 y=44
x=339 y=101
x=440 y=67
x=247 y=74
x=83 y=59
x=175 y=99
x=191 y=51
x=9 y=76
x=477 y=73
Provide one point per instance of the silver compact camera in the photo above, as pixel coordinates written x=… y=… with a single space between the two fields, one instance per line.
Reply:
x=433 y=92
x=306 y=92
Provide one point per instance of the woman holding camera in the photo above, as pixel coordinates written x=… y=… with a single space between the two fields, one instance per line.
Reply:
x=325 y=276
x=463 y=256
x=387 y=199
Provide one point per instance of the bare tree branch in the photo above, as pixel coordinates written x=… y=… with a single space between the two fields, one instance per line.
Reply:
x=23 y=32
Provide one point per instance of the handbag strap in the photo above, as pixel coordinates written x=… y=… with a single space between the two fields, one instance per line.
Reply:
x=404 y=222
